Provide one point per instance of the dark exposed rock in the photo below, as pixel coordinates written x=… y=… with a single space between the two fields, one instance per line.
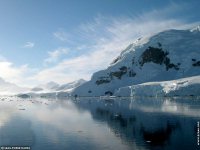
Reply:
x=159 y=44
x=196 y=64
x=132 y=73
x=120 y=73
x=193 y=59
x=101 y=81
x=123 y=68
x=115 y=60
x=117 y=74
x=151 y=54
x=108 y=93
x=158 y=56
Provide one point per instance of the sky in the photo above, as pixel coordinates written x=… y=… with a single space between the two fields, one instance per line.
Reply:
x=65 y=40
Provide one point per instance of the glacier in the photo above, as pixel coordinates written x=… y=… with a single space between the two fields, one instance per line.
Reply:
x=182 y=87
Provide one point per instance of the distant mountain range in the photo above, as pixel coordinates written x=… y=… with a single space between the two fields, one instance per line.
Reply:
x=55 y=87
x=7 y=88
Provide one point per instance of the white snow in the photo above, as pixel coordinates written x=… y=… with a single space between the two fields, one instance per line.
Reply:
x=70 y=86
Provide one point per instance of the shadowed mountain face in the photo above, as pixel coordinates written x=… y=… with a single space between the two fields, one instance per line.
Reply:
x=168 y=55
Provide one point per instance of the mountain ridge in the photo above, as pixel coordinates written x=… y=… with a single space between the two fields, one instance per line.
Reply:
x=55 y=87
x=168 y=55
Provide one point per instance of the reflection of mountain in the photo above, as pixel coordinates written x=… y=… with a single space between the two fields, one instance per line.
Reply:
x=159 y=137
x=145 y=122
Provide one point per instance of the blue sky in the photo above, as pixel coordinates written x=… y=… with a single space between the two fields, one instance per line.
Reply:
x=64 y=40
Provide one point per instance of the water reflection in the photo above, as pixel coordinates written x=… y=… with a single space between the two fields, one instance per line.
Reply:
x=150 y=123
x=160 y=136
x=91 y=123
x=17 y=131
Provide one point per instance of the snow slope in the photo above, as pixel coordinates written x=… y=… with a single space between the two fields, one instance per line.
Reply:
x=70 y=86
x=182 y=87
x=168 y=55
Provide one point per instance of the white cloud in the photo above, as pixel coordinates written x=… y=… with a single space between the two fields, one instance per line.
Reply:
x=19 y=75
x=67 y=70
x=11 y=73
x=53 y=56
x=61 y=35
x=29 y=45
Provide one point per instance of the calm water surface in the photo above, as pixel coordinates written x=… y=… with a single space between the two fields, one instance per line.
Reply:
x=94 y=124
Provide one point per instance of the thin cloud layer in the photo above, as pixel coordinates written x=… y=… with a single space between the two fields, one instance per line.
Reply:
x=29 y=45
x=61 y=35
x=54 y=55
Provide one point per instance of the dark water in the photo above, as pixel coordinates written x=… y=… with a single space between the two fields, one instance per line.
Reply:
x=94 y=124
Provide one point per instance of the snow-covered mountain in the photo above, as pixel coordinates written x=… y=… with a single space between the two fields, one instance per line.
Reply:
x=50 y=86
x=55 y=87
x=7 y=88
x=70 y=86
x=168 y=55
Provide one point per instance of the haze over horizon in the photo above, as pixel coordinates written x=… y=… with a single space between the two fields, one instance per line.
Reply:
x=63 y=41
